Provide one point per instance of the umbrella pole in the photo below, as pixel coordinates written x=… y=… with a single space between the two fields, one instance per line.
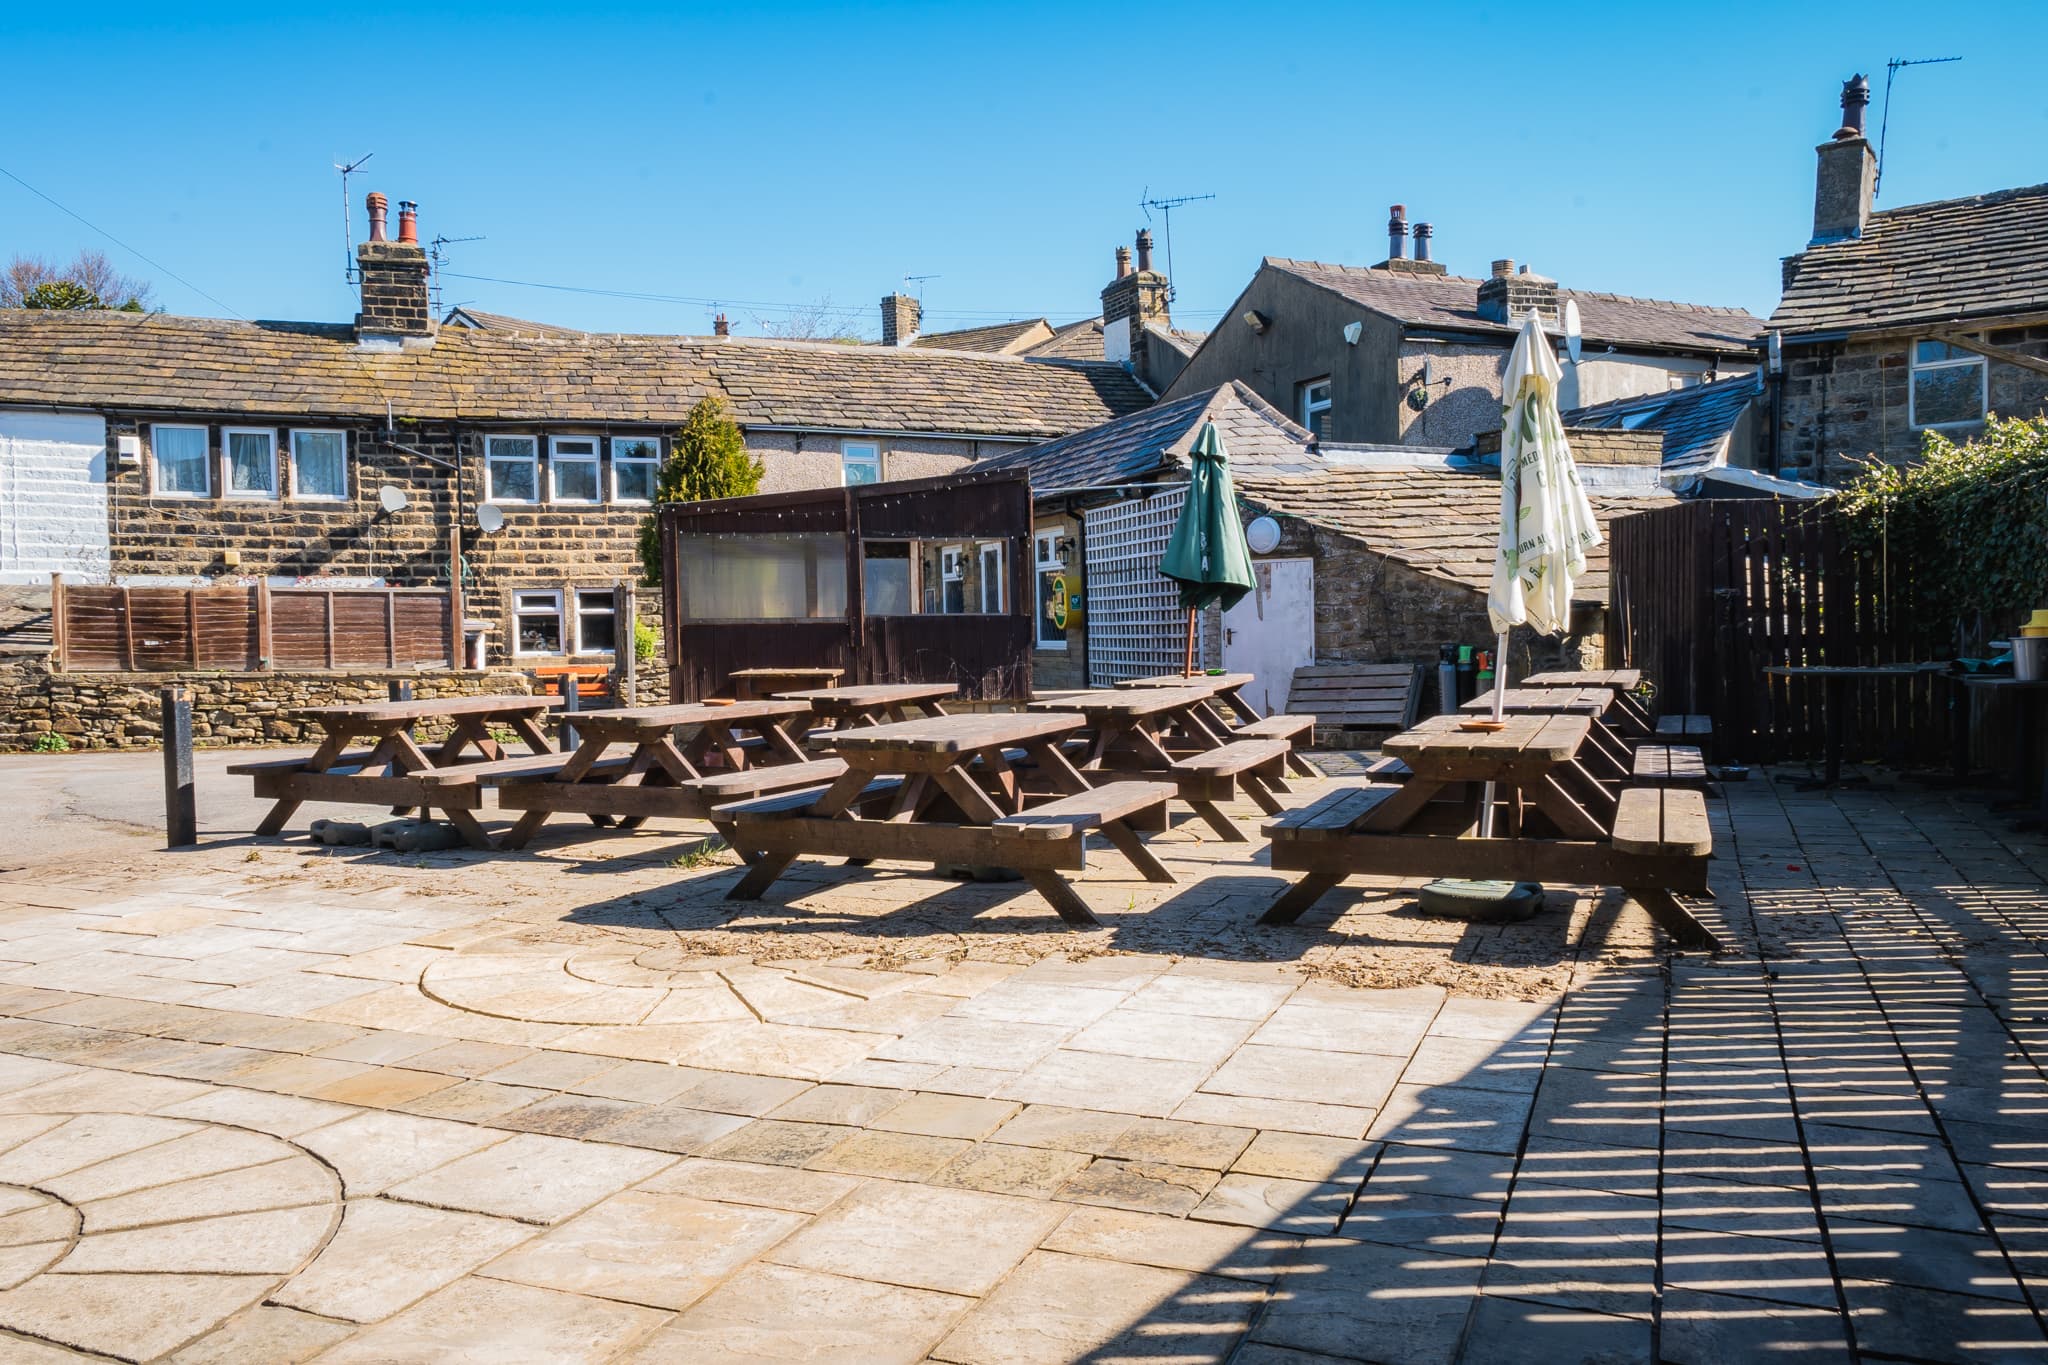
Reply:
x=1188 y=669
x=1500 y=702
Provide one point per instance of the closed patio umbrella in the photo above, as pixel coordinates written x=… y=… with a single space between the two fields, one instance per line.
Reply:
x=1207 y=554
x=1546 y=524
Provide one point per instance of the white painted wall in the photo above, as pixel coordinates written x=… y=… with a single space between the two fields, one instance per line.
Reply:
x=53 y=496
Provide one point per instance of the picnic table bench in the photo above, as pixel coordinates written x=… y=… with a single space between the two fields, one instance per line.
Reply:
x=872 y=703
x=391 y=771
x=1132 y=728
x=658 y=777
x=1651 y=842
x=943 y=789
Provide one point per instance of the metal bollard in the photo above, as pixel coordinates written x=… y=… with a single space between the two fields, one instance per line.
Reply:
x=572 y=702
x=181 y=809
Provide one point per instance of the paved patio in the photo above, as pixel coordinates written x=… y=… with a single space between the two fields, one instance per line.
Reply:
x=261 y=1102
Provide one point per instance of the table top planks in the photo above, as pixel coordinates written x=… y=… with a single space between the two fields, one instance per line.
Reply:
x=1212 y=682
x=1620 y=679
x=842 y=701
x=627 y=720
x=1126 y=702
x=431 y=708
x=953 y=735
x=1527 y=742
x=1577 y=701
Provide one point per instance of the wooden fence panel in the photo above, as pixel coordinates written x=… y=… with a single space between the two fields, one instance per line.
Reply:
x=1708 y=594
x=105 y=629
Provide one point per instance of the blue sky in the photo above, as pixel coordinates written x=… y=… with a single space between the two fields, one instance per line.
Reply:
x=771 y=158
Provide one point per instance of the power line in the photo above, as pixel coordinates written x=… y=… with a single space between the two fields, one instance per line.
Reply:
x=993 y=314
x=153 y=264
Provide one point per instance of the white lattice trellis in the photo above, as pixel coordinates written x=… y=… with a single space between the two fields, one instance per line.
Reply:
x=1136 y=627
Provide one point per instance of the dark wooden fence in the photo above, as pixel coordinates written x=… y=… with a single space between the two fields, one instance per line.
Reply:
x=107 y=629
x=1708 y=594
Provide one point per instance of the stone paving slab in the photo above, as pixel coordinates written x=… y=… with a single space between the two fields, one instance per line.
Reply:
x=261 y=1110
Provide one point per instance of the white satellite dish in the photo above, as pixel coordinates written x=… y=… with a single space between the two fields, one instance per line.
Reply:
x=1571 y=329
x=1263 y=535
x=392 y=498
x=489 y=518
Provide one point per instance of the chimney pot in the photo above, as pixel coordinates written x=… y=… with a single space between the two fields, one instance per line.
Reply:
x=377 y=204
x=1503 y=268
x=1144 y=249
x=1397 y=232
x=408 y=222
x=1423 y=232
x=1123 y=261
x=1855 y=105
x=720 y=327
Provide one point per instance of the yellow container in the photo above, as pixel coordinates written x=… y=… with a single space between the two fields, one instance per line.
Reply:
x=2036 y=626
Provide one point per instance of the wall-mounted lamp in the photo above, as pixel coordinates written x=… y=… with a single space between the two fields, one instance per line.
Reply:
x=1352 y=331
x=1257 y=321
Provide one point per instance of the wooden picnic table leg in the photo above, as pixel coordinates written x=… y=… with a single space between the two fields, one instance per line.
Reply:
x=408 y=757
x=762 y=872
x=529 y=823
x=534 y=737
x=1256 y=786
x=934 y=708
x=467 y=730
x=328 y=750
x=764 y=867
x=1005 y=777
x=1299 y=897
x=1061 y=897
x=718 y=735
x=776 y=733
x=1674 y=919
x=1127 y=843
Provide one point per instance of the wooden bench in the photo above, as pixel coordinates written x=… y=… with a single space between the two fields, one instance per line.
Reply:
x=1252 y=765
x=602 y=799
x=1342 y=696
x=1388 y=770
x=293 y=763
x=523 y=768
x=790 y=805
x=1113 y=810
x=592 y=680
x=1298 y=731
x=1329 y=817
x=1670 y=765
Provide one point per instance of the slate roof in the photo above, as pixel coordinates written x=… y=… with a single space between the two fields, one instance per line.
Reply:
x=1695 y=422
x=1073 y=341
x=1002 y=338
x=179 y=364
x=1954 y=259
x=462 y=316
x=1451 y=302
x=1155 y=442
x=1443 y=522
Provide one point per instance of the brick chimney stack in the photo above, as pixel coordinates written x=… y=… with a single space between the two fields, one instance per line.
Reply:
x=1509 y=296
x=720 y=327
x=901 y=317
x=1132 y=301
x=1846 y=181
x=1398 y=260
x=394 y=278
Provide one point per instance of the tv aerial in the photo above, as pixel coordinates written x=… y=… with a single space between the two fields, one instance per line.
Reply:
x=348 y=227
x=1891 y=73
x=1166 y=208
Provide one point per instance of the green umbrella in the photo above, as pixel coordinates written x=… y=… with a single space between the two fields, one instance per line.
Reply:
x=1207 y=554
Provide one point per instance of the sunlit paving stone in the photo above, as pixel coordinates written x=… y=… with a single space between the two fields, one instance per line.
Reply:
x=1704 y=1328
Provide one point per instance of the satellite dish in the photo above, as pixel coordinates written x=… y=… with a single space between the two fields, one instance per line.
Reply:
x=393 y=498
x=1571 y=329
x=1263 y=535
x=489 y=518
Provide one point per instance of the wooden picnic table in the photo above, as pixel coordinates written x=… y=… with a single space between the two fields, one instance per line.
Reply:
x=1835 y=680
x=1173 y=734
x=1623 y=682
x=659 y=776
x=1608 y=753
x=873 y=703
x=946 y=789
x=385 y=774
x=753 y=684
x=1228 y=686
x=1651 y=841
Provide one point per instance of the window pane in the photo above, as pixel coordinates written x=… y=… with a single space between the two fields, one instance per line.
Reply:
x=885 y=569
x=762 y=577
x=537 y=616
x=319 y=465
x=250 y=467
x=633 y=480
x=512 y=480
x=573 y=446
x=635 y=448
x=575 y=480
x=525 y=447
x=595 y=620
x=1929 y=352
x=861 y=472
x=1953 y=393
x=180 y=459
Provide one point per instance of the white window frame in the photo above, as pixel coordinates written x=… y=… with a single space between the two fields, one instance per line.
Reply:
x=298 y=485
x=556 y=457
x=988 y=580
x=156 y=482
x=1310 y=406
x=1045 y=556
x=653 y=463
x=610 y=608
x=864 y=453
x=1914 y=365
x=491 y=484
x=227 y=464
x=519 y=649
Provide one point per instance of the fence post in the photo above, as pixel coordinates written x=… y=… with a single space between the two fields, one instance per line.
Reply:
x=57 y=641
x=181 y=811
x=263 y=624
x=572 y=702
x=625 y=646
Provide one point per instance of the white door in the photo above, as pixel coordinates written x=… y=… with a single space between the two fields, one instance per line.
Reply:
x=53 y=496
x=1272 y=630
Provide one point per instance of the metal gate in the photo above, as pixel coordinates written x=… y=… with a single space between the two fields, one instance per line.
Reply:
x=1136 y=627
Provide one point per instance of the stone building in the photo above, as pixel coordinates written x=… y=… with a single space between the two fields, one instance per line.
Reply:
x=1373 y=555
x=1899 y=322
x=1404 y=353
x=194 y=449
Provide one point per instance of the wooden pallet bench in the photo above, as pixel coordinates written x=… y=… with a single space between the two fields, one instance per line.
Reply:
x=1343 y=696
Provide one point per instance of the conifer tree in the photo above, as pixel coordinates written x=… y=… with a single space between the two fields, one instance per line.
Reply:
x=710 y=460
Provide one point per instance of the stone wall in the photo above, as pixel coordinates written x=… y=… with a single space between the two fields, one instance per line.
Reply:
x=1846 y=401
